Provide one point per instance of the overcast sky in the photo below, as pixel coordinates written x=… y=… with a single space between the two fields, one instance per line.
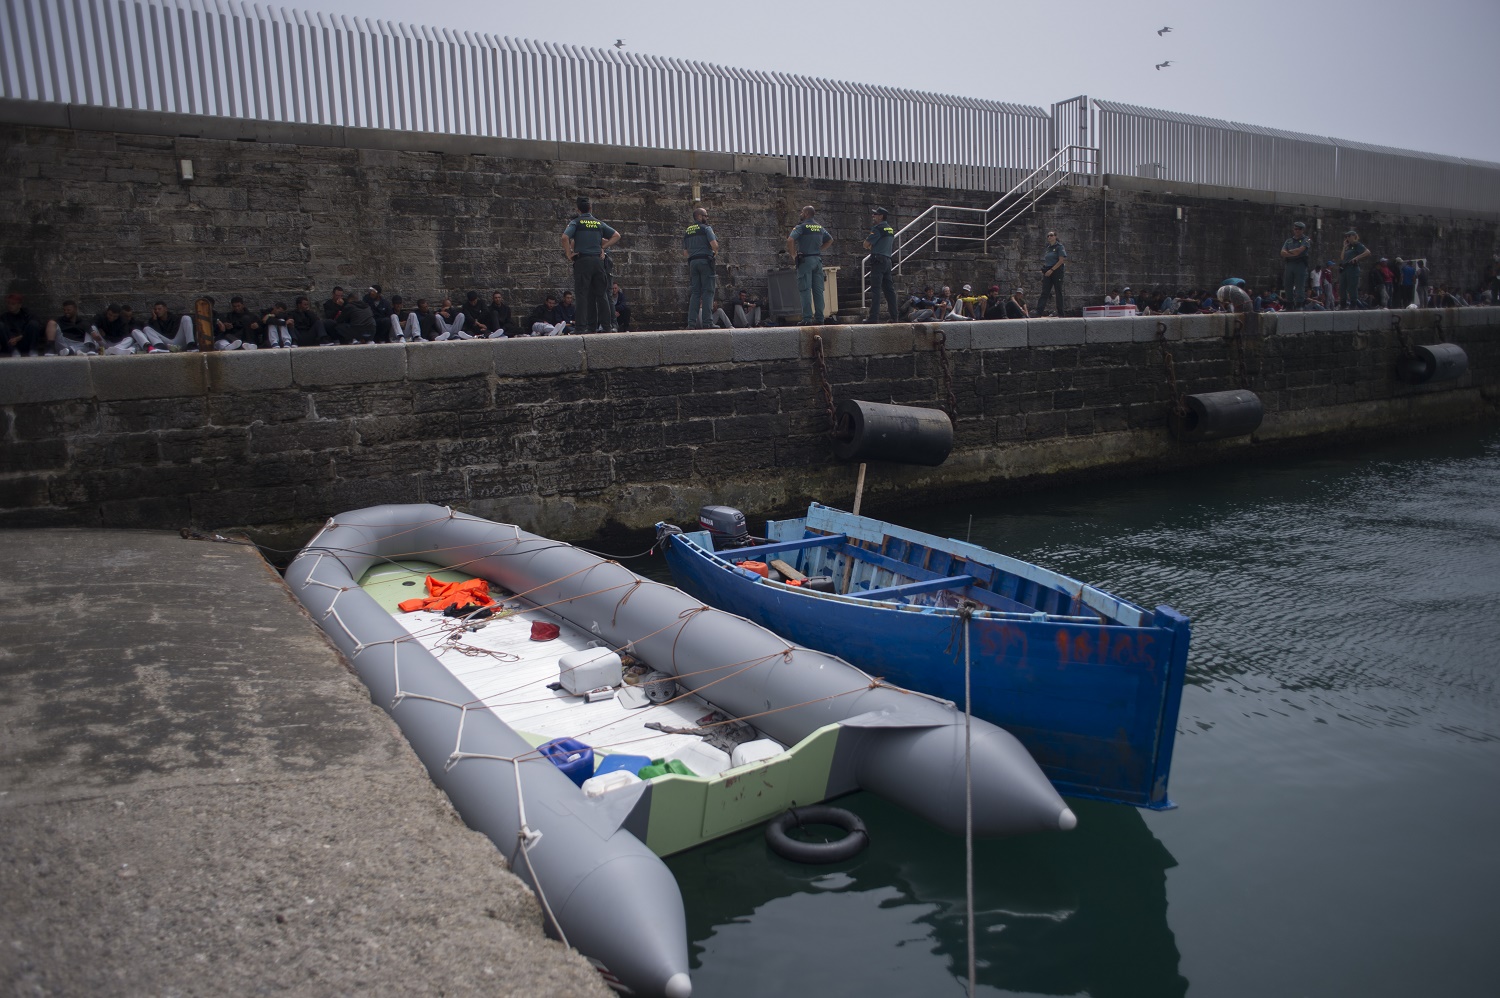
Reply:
x=1415 y=75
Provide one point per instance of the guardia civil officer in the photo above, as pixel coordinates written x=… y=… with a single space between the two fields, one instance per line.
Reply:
x=583 y=243
x=880 y=242
x=806 y=245
x=1295 y=254
x=699 y=247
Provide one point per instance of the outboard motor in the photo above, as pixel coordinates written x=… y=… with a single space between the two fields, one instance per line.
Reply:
x=727 y=525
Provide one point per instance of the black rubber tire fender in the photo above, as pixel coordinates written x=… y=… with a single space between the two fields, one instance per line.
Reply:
x=852 y=844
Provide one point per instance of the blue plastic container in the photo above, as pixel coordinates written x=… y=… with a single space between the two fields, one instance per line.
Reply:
x=628 y=763
x=574 y=758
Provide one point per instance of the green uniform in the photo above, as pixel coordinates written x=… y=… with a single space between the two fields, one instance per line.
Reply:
x=1294 y=269
x=699 y=241
x=590 y=279
x=810 y=238
x=1349 y=276
x=882 y=240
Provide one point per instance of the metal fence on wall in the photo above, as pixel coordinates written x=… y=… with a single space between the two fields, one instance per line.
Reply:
x=224 y=57
x=229 y=58
x=1144 y=142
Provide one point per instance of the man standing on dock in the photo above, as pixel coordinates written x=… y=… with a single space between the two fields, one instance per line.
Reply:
x=1295 y=254
x=881 y=242
x=1354 y=252
x=806 y=245
x=583 y=243
x=699 y=247
x=1054 y=265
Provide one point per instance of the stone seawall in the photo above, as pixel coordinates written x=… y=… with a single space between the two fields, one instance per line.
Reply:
x=569 y=435
x=96 y=210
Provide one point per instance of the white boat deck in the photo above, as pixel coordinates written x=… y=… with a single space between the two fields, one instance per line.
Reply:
x=513 y=681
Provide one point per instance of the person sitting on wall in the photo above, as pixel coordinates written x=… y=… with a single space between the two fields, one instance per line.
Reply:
x=923 y=307
x=746 y=310
x=718 y=316
x=1113 y=298
x=449 y=322
x=163 y=330
x=381 y=310
x=358 y=322
x=243 y=329
x=333 y=309
x=970 y=305
x=1187 y=303
x=109 y=333
x=569 y=312
x=1234 y=297
x=21 y=334
x=622 y=309
x=994 y=303
x=1128 y=298
x=403 y=327
x=69 y=332
x=278 y=326
x=306 y=325
x=424 y=320
x=496 y=317
x=1015 y=305
x=546 y=319
x=472 y=310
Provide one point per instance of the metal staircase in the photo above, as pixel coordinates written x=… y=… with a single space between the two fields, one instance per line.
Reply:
x=949 y=227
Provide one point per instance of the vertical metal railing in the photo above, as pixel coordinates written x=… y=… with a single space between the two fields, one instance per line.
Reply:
x=235 y=59
x=1144 y=142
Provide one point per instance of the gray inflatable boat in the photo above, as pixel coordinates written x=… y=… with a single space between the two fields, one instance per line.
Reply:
x=594 y=859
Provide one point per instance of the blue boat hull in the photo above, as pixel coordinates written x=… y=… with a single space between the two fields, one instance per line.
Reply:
x=1096 y=705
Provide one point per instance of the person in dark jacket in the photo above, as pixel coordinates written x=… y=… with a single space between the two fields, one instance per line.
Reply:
x=473 y=312
x=333 y=309
x=546 y=319
x=164 y=329
x=496 y=318
x=109 y=333
x=306 y=325
x=1015 y=305
x=357 y=322
x=381 y=310
x=424 y=320
x=240 y=329
x=21 y=334
x=69 y=332
x=994 y=305
x=622 y=309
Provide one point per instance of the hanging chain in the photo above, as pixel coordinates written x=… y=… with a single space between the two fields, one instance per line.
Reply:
x=1179 y=408
x=941 y=339
x=822 y=365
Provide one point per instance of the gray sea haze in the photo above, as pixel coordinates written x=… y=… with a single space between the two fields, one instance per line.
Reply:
x=1337 y=762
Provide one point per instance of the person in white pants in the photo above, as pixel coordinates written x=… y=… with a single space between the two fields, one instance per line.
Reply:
x=448 y=325
x=110 y=333
x=278 y=327
x=403 y=328
x=164 y=330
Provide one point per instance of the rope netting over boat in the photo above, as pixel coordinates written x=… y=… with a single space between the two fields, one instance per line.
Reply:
x=431 y=638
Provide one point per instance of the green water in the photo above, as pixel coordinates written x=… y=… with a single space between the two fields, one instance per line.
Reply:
x=1337 y=763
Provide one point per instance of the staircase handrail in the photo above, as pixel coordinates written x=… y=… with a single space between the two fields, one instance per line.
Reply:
x=924 y=230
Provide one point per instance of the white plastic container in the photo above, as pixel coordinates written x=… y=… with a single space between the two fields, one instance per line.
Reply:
x=702 y=758
x=598 y=786
x=746 y=753
x=588 y=669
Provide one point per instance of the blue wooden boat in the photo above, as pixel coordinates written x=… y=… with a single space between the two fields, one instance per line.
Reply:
x=1088 y=682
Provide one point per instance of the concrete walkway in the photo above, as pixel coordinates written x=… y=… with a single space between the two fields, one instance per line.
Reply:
x=197 y=798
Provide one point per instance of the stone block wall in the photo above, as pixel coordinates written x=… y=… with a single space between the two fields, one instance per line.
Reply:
x=99 y=213
x=569 y=435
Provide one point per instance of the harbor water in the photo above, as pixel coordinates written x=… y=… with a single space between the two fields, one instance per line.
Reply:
x=1337 y=762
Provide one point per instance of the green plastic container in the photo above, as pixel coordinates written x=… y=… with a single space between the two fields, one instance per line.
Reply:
x=664 y=767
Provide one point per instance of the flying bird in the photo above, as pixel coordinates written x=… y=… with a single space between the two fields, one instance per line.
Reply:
x=619 y=43
x=1162 y=32
x=1161 y=64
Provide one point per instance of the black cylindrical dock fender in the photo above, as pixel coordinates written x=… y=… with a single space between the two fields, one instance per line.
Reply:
x=903 y=434
x=1215 y=415
x=1435 y=362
